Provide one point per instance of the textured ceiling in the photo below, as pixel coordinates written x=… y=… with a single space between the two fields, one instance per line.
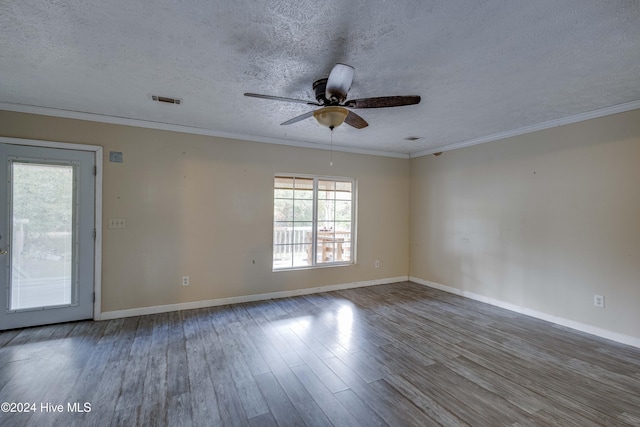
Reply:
x=482 y=68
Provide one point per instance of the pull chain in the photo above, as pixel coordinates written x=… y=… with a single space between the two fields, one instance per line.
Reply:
x=331 y=162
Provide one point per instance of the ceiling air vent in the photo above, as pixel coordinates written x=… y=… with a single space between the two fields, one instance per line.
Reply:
x=166 y=99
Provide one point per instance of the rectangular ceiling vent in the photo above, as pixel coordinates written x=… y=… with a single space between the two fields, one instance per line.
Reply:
x=166 y=99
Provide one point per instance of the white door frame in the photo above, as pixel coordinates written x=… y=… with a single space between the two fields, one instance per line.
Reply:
x=97 y=150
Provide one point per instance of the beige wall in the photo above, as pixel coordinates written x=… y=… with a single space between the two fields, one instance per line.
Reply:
x=543 y=221
x=202 y=206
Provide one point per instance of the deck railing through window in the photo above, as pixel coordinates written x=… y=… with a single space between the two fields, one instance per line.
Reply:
x=285 y=251
x=283 y=236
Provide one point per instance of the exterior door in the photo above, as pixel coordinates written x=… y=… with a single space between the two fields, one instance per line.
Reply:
x=47 y=234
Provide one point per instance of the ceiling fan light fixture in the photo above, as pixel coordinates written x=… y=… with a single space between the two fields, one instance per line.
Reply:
x=331 y=117
x=331 y=94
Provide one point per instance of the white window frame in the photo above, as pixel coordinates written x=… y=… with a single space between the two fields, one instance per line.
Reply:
x=314 y=244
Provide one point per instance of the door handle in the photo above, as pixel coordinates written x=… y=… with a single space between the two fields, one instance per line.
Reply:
x=3 y=252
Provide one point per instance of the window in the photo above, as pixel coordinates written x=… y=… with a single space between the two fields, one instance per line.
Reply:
x=313 y=221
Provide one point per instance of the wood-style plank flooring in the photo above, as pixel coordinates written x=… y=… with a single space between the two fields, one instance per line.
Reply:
x=396 y=355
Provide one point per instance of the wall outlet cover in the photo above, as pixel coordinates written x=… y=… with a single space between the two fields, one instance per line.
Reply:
x=598 y=301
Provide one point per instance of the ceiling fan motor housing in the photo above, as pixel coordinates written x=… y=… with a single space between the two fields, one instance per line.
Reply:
x=319 y=87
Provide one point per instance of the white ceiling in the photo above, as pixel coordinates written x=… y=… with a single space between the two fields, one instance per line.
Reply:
x=483 y=68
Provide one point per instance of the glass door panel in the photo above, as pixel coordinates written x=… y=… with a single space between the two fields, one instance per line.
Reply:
x=42 y=235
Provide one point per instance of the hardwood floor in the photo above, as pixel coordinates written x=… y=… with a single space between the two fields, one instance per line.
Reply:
x=396 y=355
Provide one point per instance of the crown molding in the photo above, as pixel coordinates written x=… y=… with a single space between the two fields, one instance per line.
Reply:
x=602 y=112
x=115 y=120
x=78 y=115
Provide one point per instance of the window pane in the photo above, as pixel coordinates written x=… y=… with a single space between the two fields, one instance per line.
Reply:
x=326 y=227
x=346 y=254
x=343 y=186
x=282 y=256
x=343 y=210
x=343 y=190
x=303 y=210
x=303 y=232
x=303 y=184
x=326 y=230
x=343 y=226
x=326 y=185
x=331 y=250
x=301 y=259
x=282 y=210
x=325 y=250
x=282 y=194
x=326 y=210
x=343 y=195
x=282 y=233
x=304 y=194
x=304 y=188
x=283 y=183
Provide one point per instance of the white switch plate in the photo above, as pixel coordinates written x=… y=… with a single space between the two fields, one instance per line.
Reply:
x=117 y=223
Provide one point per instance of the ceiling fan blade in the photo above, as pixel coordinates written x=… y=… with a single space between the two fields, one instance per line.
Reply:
x=339 y=82
x=280 y=98
x=355 y=120
x=298 y=118
x=383 y=102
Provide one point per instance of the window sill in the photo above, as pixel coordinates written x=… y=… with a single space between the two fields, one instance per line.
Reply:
x=315 y=267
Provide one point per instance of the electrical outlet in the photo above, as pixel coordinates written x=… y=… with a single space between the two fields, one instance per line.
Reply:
x=377 y=264
x=117 y=223
x=598 y=301
x=185 y=280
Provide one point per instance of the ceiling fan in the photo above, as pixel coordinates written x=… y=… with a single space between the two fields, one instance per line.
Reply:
x=331 y=95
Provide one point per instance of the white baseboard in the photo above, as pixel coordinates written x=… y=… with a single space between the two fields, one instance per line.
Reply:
x=579 y=326
x=108 y=315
